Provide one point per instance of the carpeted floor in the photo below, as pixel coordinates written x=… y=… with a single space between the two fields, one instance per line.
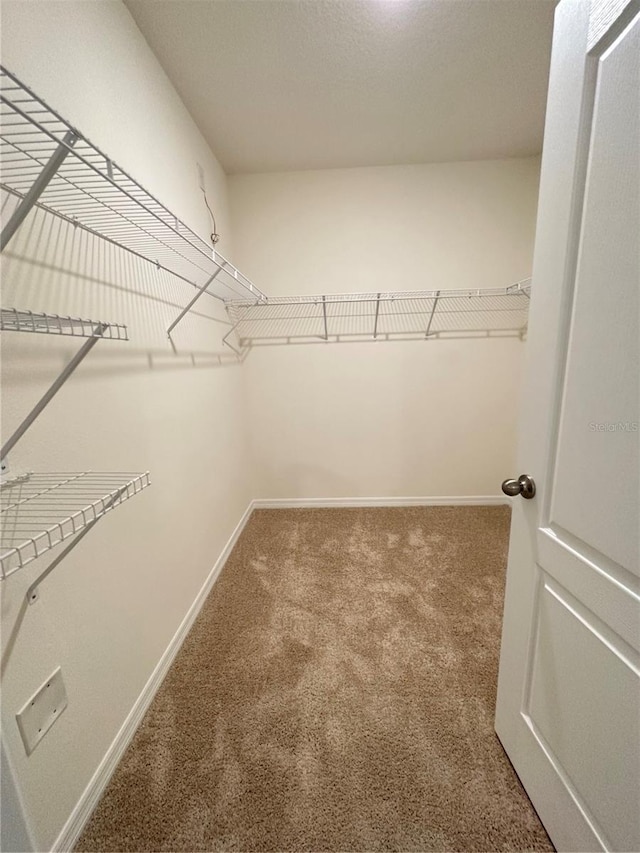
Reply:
x=336 y=693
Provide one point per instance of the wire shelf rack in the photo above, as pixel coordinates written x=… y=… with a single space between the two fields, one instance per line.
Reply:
x=385 y=316
x=49 y=163
x=90 y=190
x=12 y=320
x=38 y=511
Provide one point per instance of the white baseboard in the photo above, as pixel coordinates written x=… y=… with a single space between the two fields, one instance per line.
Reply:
x=320 y=503
x=98 y=782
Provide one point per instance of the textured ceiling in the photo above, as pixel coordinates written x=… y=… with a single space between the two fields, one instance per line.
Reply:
x=279 y=85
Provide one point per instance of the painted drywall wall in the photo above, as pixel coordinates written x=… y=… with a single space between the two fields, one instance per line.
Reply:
x=109 y=610
x=381 y=418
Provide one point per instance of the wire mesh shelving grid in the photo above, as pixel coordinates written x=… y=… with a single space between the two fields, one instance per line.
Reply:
x=12 y=320
x=384 y=316
x=92 y=191
x=38 y=511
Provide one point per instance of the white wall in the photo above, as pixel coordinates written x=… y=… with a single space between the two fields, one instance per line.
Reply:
x=109 y=611
x=385 y=419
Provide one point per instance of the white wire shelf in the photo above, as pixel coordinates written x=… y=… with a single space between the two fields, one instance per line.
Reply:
x=90 y=190
x=384 y=316
x=12 y=320
x=38 y=511
x=49 y=163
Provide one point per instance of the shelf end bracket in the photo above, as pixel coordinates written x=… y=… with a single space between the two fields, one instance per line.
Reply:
x=433 y=311
x=32 y=592
x=37 y=188
x=53 y=390
x=192 y=302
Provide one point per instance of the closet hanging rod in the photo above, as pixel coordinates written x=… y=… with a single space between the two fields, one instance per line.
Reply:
x=89 y=188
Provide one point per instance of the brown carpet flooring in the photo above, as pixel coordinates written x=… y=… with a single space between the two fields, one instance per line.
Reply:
x=337 y=692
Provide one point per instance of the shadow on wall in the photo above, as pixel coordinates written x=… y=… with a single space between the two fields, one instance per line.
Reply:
x=53 y=266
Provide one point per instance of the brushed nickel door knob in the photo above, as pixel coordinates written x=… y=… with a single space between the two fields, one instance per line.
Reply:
x=524 y=486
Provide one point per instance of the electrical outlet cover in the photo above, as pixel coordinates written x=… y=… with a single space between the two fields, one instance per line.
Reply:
x=42 y=710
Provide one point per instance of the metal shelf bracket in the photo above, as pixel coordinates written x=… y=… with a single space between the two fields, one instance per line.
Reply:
x=37 y=188
x=82 y=353
x=433 y=311
x=375 y=323
x=32 y=592
x=192 y=302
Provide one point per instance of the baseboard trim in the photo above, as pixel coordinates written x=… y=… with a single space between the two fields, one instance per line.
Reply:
x=92 y=793
x=322 y=503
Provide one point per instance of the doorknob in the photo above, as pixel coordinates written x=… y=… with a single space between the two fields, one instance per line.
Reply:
x=524 y=486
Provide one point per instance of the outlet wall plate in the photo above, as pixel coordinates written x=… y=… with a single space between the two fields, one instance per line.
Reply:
x=37 y=716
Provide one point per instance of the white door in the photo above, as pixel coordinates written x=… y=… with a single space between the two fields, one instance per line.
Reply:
x=568 y=709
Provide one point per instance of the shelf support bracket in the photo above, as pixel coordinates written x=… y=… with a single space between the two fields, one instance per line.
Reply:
x=84 y=350
x=32 y=592
x=375 y=324
x=192 y=302
x=433 y=311
x=234 y=327
x=324 y=315
x=37 y=188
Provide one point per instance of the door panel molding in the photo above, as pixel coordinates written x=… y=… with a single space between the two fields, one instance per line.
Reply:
x=598 y=838
x=580 y=723
x=535 y=775
x=601 y=592
x=595 y=559
x=609 y=18
x=603 y=632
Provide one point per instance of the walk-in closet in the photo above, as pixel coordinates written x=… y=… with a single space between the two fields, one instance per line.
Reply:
x=320 y=463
